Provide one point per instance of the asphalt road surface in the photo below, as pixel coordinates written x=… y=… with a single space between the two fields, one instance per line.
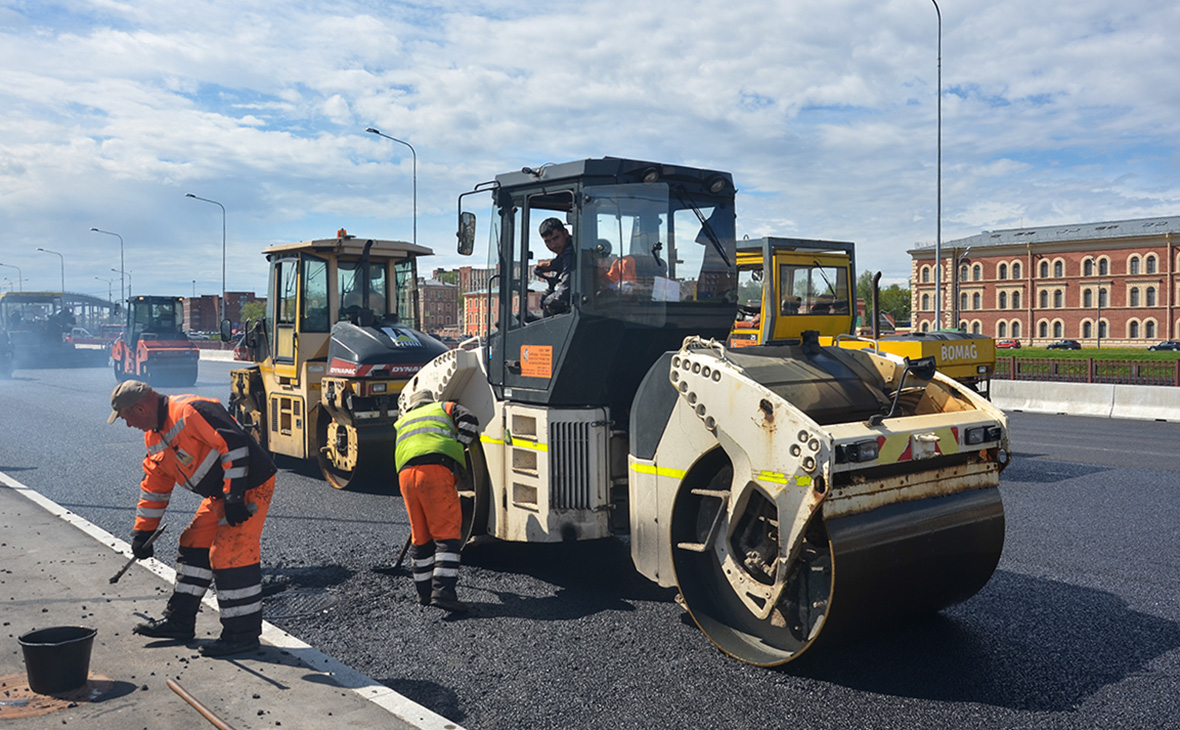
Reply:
x=1078 y=628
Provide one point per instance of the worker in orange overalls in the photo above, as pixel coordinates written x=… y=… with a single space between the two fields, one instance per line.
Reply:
x=429 y=457
x=195 y=443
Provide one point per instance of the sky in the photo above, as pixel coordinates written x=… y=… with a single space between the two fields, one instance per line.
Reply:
x=826 y=112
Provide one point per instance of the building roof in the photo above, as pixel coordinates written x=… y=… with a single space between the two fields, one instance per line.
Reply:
x=1106 y=230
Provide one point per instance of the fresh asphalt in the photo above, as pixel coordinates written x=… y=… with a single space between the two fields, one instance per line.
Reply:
x=1079 y=627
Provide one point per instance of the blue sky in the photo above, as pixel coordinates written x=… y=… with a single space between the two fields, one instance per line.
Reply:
x=825 y=111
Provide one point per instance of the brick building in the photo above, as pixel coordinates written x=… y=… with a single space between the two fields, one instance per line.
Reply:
x=1115 y=283
x=439 y=305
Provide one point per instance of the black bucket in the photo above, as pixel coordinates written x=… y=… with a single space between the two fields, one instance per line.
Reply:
x=58 y=658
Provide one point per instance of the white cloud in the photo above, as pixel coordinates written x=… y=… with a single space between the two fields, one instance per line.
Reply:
x=825 y=113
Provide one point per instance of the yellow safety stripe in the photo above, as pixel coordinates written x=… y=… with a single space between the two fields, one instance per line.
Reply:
x=660 y=471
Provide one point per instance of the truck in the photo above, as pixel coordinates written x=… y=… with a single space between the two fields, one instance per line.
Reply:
x=789 y=285
x=153 y=346
x=339 y=340
x=35 y=328
x=791 y=492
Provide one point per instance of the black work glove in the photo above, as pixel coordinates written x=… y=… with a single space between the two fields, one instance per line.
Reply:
x=236 y=511
x=139 y=547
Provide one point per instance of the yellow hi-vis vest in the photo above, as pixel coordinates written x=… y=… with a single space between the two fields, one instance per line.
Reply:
x=426 y=430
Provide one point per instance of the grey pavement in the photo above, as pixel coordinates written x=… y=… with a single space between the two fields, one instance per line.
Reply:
x=55 y=570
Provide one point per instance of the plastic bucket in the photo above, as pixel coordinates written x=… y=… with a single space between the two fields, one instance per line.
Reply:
x=58 y=658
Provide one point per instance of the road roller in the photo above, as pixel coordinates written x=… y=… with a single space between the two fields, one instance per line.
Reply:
x=339 y=341
x=792 y=492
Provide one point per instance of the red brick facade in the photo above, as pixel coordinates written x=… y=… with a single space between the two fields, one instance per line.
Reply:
x=1042 y=284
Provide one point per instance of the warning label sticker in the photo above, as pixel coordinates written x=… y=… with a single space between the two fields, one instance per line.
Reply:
x=536 y=361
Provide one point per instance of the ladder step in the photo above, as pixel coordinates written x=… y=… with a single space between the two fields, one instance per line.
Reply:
x=722 y=494
x=696 y=547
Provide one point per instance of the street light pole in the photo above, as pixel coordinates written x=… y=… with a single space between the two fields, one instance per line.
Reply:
x=938 y=214
x=63 y=273
x=128 y=273
x=109 y=282
x=414 y=157
x=122 y=293
x=19 y=275
x=219 y=205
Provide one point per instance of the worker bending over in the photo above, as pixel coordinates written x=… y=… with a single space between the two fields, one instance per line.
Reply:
x=195 y=443
x=429 y=458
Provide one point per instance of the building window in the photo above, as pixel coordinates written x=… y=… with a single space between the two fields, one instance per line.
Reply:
x=1102 y=328
x=1016 y=270
x=925 y=302
x=1002 y=329
x=963 y=301
x=963 y=272
x=1134 y=265
x=977 y=273
x=1102 y=298
x=976 y=329
x=1135 y=297
x=925 y=326
x=1087 y=328
x=1133 y=329
x=1150 y=261
x=1057 y=329
x=1003 y=300
x=1044 y=269
x=925 y=276
x=1088 y=268
x=1044 y=299
x=1088 y=298
x=1103 y=269
x=1149 y=330
x=1058 y=269
x=1151 y=296
x=1016 y=329
x=1016 y=300
x=962 y=325
x=977 y=301
x=1002 y=272
x=1044 y=328
x=1058 y=299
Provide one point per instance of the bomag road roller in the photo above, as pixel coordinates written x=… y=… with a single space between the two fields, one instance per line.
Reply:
x=153 y=346
x=790 y=491
x=339 y=340
x=789 y=285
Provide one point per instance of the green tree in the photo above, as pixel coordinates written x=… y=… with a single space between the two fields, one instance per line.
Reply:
x=893 y=299
x=253 y=310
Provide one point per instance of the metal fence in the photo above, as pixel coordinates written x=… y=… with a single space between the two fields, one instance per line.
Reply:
x=1089 y=370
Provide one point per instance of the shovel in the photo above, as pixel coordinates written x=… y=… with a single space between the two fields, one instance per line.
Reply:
x=115 y=578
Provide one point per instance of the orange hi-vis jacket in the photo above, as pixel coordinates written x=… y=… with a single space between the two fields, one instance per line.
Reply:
x=197 y=445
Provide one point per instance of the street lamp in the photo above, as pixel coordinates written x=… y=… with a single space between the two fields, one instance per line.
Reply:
x=414 y=157
x=124 y=293
x=219 y=205
x=63 y=273
x=19 y=275
x=938 y=214
x=128 y=273
x=109 y=283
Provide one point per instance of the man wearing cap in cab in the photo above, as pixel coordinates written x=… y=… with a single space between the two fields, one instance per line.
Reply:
x=194 y=443
x=429 y=457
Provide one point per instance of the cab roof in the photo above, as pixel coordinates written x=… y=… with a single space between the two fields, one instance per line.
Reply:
x=352 y=246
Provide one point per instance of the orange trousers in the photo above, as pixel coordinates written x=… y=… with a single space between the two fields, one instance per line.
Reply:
x=229 y=547
x=432 y=503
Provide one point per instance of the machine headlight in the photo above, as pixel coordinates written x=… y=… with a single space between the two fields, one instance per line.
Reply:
x=981 y=435
x=377 y=388
x=857 y=452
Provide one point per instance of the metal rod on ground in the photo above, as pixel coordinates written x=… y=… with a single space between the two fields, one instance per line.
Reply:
x=205 y=711
x=402 y=555
x=115 y=578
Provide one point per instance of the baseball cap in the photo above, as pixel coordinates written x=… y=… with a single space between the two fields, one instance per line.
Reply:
x=127 y=394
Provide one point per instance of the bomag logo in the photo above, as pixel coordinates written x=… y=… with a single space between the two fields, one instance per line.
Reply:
x=952 y=353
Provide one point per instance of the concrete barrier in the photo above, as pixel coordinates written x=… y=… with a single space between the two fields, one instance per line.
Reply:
x=1148 y=402
x=223 y=355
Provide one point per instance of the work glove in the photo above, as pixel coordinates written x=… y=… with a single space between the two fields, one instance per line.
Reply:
x=139 y=547
x=236 y=511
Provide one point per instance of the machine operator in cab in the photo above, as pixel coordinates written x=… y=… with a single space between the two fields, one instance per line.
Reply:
x=193 y=442
x=557 y=270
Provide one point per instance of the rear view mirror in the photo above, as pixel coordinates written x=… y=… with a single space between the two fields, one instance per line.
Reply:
x=227 y=330
x=466 y=233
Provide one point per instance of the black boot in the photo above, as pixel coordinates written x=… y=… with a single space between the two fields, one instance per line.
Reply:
x=445 y=577
x=229 y=644
x=169 y=627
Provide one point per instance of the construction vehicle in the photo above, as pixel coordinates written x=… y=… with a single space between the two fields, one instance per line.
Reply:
x=790 y=491
x=36 y=328
x=153 y=346
x=339 y=340
x=789 y=285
